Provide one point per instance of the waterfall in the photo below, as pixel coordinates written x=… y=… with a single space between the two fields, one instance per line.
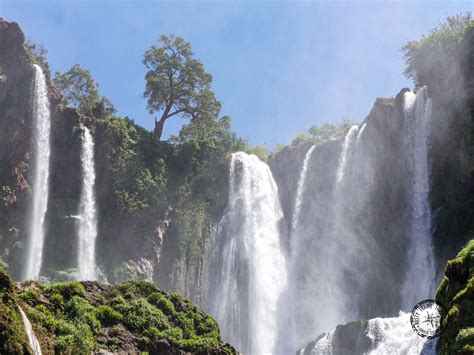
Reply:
x=88 y=214
x=41 y=153
x=382 y=336
x=300 y=189
x=361 y=131
x=250 y=266
x=396 y=336
x=345 y=148
x=34 y=343
x=418 y=283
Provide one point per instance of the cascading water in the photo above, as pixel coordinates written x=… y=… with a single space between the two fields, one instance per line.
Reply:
x=383 y=336
x=34 y=343
x=88 y=214
x=41 y=153
x=300 y=190
x=250 y=269
x=345 y=149
x=420 y=265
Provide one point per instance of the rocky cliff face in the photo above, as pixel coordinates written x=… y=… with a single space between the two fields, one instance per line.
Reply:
x=149 y=193
x=376 y=174
x=451 y=197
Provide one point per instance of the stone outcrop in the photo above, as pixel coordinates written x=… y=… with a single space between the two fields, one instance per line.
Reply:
x=456 y=293
x=90 y=317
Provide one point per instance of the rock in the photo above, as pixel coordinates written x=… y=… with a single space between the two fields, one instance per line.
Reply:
x=140 y=269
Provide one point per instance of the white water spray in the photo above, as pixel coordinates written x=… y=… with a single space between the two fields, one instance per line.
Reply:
x=88 y=214
x=396 y=336
x=393 y=336
x=419 y=279
x=41 y=153
x=34 y=343
x=252 y=272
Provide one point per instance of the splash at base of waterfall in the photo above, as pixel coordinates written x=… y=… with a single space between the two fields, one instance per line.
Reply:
x=34 y=343
x=380 y=336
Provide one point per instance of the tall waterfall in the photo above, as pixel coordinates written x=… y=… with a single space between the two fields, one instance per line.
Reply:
x=419 y=281
x=34 y=343
x=41 y=153
x=88 y=214
x=251 y=271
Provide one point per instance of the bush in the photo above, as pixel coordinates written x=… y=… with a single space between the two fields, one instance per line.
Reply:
x=140 y=315
x=66 y=289
x=29 y=296
x=163 y=303
x=108 y=316
x=437 y=57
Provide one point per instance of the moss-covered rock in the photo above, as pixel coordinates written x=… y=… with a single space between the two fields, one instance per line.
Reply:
x=82 y=317
x=456 y=292
x=13 y=339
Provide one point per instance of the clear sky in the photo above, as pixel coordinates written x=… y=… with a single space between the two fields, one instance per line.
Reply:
x=279 y=67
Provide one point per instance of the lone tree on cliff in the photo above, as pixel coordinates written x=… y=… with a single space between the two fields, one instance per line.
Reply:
x=177 y=84
x=81 y=91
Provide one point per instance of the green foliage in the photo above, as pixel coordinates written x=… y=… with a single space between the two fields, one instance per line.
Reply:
x=81 y=311
x=66 y=289
x=72 y=320
x=437 y=57
x=260 y=151
x=320 y=134
x=57 y=300
x=37 y=54
x=137 y=176
x=162 y=302
x=29 y=296
x=456 y=292
x=82 y=92
x=465 y=340
x=7 y=195
x=13 y=339
x=108 y=316
x=140 y=315
x=176 y=83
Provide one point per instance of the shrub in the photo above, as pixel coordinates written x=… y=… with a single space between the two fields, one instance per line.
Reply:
x=66 y=289
x=29 y=296
x=164 y=304
x=108 y=316
x=141 y=315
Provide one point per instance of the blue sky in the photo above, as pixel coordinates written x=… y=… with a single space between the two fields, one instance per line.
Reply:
x=279 y=67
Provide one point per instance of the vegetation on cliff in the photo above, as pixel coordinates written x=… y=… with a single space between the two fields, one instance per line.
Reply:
x=80 y=317
x=456 y=293
x=13 y=339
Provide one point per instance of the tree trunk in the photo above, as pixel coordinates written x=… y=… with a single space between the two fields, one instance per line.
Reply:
x=159 y=127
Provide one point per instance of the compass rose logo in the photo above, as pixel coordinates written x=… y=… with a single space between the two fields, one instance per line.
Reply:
x=426 y=318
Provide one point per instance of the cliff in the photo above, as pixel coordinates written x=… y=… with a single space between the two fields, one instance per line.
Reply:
x=150 y=194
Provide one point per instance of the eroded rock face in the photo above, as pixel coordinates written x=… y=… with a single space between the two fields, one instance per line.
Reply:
x=373 y=205
x=15 y=137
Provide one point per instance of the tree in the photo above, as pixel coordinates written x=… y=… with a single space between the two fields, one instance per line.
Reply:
x=82 y=92
x=437 y=57
x=177 y=84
